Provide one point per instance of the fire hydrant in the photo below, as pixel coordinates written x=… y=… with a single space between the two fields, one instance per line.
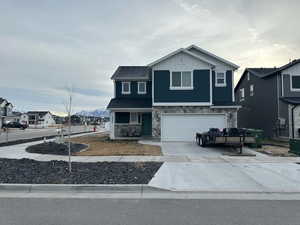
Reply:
x=95 y=128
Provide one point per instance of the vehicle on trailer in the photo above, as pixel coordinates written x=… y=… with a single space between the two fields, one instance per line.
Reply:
x=234 y=137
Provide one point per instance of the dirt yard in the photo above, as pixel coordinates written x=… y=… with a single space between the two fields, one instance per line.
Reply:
x=101 y=145
x=275 y=150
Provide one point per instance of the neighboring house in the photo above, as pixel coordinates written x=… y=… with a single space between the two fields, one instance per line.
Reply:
x=40 y=118
x=13 y=117
x=270 y=99
x=186 y=91
x=24 y=118
x=5 y=110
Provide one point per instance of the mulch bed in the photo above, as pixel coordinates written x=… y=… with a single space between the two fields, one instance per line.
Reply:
x=27 y=171
x=54 y=148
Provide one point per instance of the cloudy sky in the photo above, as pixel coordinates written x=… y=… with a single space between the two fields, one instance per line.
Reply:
x=46 y=46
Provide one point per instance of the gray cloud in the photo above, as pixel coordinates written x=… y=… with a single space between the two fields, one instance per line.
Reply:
x=49 y=44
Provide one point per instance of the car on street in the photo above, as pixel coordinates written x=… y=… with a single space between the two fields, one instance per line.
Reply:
x=15 y=125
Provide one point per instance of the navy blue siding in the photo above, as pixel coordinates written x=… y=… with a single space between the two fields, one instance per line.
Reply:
x=223 y=95
x=134 y=90
x=200 y=93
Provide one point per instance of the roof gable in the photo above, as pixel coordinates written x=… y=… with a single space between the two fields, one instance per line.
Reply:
x=181 y=50
x=211 y=55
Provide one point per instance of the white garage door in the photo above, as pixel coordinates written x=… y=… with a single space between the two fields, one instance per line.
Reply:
x=184 y=127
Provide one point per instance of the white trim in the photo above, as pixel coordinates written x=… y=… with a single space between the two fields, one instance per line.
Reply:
x=226 y=107
x=130 y=118
x=181 y=104
x=210 y=87
x=131 y=109
x=232 y=86
x=213 y=56
x=291 y=83
x=126 y=92
x=178 y=51
x=248 y=76
x=152 y=84
x=114 y=89
x=282 y=89
x=181 y=87
x=224 y=84
x=142 y=92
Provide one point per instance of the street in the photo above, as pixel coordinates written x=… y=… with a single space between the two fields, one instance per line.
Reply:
x=16 y=134
x=49 y=211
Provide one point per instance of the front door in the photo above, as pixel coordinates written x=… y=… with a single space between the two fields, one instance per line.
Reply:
x=147 y=124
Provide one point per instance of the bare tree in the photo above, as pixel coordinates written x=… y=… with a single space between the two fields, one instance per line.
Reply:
x=68 y=107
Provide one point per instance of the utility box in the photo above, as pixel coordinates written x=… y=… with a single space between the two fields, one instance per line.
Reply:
x=295 y=146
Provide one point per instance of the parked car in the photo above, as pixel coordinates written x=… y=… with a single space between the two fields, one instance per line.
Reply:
x=15 y=125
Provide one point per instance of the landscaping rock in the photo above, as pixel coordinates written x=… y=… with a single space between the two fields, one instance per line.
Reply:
x=55 y=148
x=27 y=171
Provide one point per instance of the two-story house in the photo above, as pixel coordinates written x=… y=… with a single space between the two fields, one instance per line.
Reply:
x=5 y=110
x=40 y=118
x=270 y=98
x=187 y=91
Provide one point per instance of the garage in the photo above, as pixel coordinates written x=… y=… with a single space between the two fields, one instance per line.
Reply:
x=183 y=127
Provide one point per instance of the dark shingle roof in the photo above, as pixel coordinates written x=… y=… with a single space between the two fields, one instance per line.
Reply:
x=117 y=103
x=132 y=72
x=294 y=62
x=262 y=72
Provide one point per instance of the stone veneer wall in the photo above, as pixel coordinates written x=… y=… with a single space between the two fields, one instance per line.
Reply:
x=231 y=115
x=128 y=130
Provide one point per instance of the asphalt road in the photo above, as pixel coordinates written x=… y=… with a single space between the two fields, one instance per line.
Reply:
x=28 y=211
x=16 y=134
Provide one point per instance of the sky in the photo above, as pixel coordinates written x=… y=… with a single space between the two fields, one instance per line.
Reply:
x=48 y=46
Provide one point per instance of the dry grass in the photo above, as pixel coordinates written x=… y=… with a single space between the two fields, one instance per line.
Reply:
x=100 y=145
x=275 y=150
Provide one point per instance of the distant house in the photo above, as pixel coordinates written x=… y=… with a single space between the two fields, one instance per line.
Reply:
x=13 y=117
x=40 y=118
x=5 y=110
x=270 y=100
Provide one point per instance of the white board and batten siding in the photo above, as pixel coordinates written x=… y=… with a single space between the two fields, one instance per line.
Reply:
x=183 y=127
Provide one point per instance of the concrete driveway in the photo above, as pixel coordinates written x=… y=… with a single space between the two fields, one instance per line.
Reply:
x=191 y=149
x=210 y=170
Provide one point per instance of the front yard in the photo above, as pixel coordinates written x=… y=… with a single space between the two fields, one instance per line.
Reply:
x=101 y=145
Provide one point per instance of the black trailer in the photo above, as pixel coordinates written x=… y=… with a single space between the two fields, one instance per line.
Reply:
x=231 y=137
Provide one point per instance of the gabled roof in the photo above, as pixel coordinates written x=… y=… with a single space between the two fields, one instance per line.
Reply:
x=132 y=72
x=258 y=72
x=122 y=103
x=2 y=100
x=213 y=56
x=286 y=66
x=181 y=50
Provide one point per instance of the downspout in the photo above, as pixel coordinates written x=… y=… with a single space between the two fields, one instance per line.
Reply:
x=293 y=125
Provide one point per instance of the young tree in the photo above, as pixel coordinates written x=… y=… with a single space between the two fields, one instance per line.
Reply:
x=68 y=107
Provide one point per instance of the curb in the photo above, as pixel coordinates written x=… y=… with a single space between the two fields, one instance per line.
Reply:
x=99 y=188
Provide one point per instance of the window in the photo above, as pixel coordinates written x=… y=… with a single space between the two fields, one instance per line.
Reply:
x=125 y=87
x=251 y=90
x=181 y=80
x=295 y=82
x=134 y=118
x=220 y=79
x=248 y=76
x=242 y=94
x=142 y=88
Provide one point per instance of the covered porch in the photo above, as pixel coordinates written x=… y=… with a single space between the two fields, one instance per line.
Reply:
x=130 y=119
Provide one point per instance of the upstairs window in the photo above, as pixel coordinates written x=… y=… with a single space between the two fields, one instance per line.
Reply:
x=251 y=90
x=295 y=82
x=142 y=88
x=220 y=79
x=181 y=80
x=242 y=94
x=126 y=88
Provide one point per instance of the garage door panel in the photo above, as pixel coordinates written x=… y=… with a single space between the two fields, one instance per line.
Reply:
x=184 y=127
